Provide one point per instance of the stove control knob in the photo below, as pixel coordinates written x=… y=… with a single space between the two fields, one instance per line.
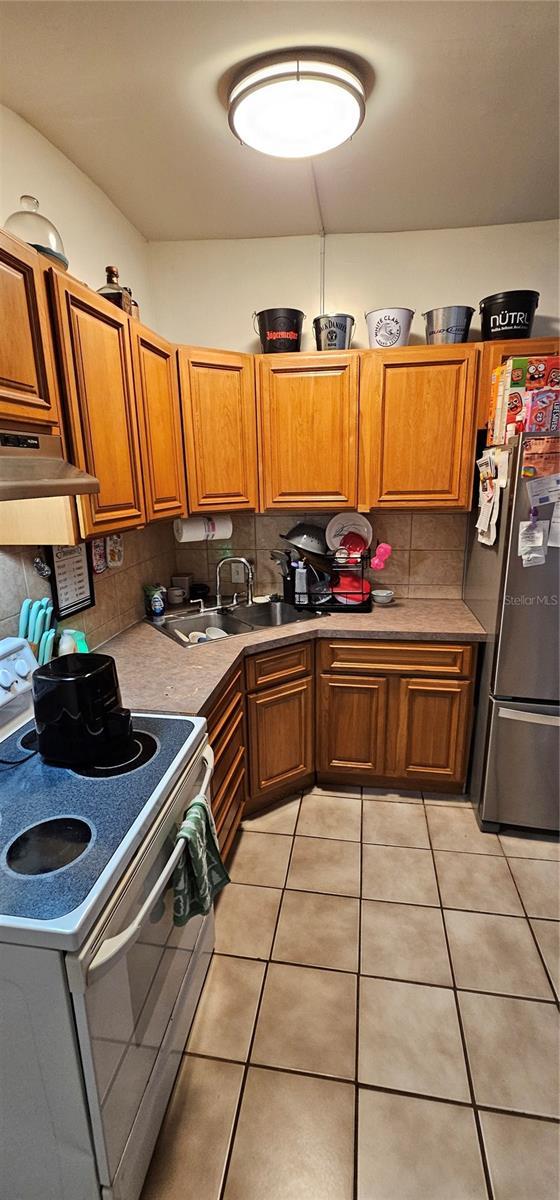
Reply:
x=21 y=668
x=6 y=679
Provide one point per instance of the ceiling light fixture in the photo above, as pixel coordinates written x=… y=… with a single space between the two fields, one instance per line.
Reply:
x=297 y=106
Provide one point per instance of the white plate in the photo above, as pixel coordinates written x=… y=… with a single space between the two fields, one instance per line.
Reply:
x=344 y=523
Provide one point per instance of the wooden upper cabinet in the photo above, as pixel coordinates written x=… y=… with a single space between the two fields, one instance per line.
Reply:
x=28 y=390
x=100 y=405
x=308 y=421
x=220 y=426
x=159 y=415
x=493 y=354
x=418 y=427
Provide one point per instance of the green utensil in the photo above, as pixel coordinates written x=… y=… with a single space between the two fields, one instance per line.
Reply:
x=35 y=610
x=47 y=642
x=24 y=618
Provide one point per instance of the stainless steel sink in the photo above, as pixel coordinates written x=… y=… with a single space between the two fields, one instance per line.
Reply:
x=239 y=619
x=179 y=627
x=276 y=612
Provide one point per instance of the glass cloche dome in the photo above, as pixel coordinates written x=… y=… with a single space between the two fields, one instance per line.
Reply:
x=35 y=229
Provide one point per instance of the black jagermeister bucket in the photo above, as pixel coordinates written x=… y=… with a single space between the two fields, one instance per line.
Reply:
x=279 y=329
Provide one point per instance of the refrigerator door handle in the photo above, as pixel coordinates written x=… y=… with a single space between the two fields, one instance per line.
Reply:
x=536 y=718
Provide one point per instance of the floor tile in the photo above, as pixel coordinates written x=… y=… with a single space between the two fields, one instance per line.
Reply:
x=260 y=858
x=192 y=1147
x=448 y=799
x=398 y=873
x=392 y=797
x=412 y=1149
x=530 y=845
x=331 y=817
x=495 y=954
x=457 y=829
x=513 y=1052
x=522 y=1156
x=481 y=883
x=307 y=1021
x=403 y=941
x=325 y=865
x=409 y=1039
x=334 y=791
x=294 y=1141
x=539 y=886
x=547 y=934
x=245 y=920
x=392 y=824
x=279 y=819
x=319 y=931
x=226 y=1012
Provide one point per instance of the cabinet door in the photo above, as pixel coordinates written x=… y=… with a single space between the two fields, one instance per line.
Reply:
x=280 y=739
x=418 y=427
x=28 y=389
x=434 y=719
x=308 y=421
x=101 y=407
x=159 y=414
x=493 y=354
x=220 y=424
x=351 y=725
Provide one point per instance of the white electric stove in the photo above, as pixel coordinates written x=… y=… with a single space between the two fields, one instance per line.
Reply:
x=98 y=987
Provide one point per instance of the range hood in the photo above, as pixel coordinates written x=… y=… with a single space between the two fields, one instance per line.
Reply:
x=32 y=467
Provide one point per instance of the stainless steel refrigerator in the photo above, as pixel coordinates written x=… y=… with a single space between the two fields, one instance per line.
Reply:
x=516 y=755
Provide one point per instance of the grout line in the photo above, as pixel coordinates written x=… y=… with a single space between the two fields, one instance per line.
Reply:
x=482 y=1148
x=358 y=987
x=551 y=982
x=373 y=1087
x=254 y=1030
x=288 y=962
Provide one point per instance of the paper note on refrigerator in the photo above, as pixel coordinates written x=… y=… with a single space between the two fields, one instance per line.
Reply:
x=544 y=489
x=554 y=534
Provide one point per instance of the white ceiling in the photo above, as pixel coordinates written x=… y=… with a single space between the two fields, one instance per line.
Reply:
x=461 y=126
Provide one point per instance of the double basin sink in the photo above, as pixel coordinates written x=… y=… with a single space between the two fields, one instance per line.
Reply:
x=240 y=619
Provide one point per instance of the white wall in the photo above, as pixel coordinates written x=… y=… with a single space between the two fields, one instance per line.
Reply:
x=94 y=232
x=205 y=292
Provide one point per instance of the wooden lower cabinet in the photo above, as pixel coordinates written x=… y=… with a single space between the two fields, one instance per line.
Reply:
x=392 y=728
x=433 y=729
x=351 y=725
x=281 y=750
x=226 y=734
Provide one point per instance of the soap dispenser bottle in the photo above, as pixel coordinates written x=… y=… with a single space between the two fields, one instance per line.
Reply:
x=301 y=595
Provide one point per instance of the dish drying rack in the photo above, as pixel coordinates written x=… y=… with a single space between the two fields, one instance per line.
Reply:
x=321 y=596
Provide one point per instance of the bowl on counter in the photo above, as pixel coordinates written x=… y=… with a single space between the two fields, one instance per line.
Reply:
x=383 y=595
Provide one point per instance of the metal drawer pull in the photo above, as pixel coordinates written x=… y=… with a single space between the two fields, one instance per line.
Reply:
x=113 y=948
x=513 y=714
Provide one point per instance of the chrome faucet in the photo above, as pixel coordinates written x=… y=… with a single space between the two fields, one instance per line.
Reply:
x=250 y=578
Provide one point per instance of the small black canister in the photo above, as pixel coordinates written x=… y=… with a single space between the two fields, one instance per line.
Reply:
x=78 y=713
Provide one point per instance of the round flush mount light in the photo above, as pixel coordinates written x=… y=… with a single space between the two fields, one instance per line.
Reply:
x=297 y=106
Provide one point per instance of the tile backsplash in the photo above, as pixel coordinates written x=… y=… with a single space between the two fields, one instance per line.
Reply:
x=427 y=563
x=149 y=557
x=427 y=559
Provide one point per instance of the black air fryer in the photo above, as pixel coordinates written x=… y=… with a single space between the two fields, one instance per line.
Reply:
x=78 y=713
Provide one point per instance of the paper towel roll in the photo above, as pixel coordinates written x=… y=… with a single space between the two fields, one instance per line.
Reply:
x=202 y=529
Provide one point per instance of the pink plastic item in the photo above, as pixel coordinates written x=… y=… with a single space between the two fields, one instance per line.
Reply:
x=380 y=557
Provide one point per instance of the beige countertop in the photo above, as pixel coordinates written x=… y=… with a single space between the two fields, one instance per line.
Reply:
x=156 y=674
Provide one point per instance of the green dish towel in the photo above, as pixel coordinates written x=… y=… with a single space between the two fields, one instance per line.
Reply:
x=201 y=873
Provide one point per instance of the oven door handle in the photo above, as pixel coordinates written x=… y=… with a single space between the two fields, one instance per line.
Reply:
x=113 y=948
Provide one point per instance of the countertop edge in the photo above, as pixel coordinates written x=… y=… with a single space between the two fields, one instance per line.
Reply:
x=187 y=681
